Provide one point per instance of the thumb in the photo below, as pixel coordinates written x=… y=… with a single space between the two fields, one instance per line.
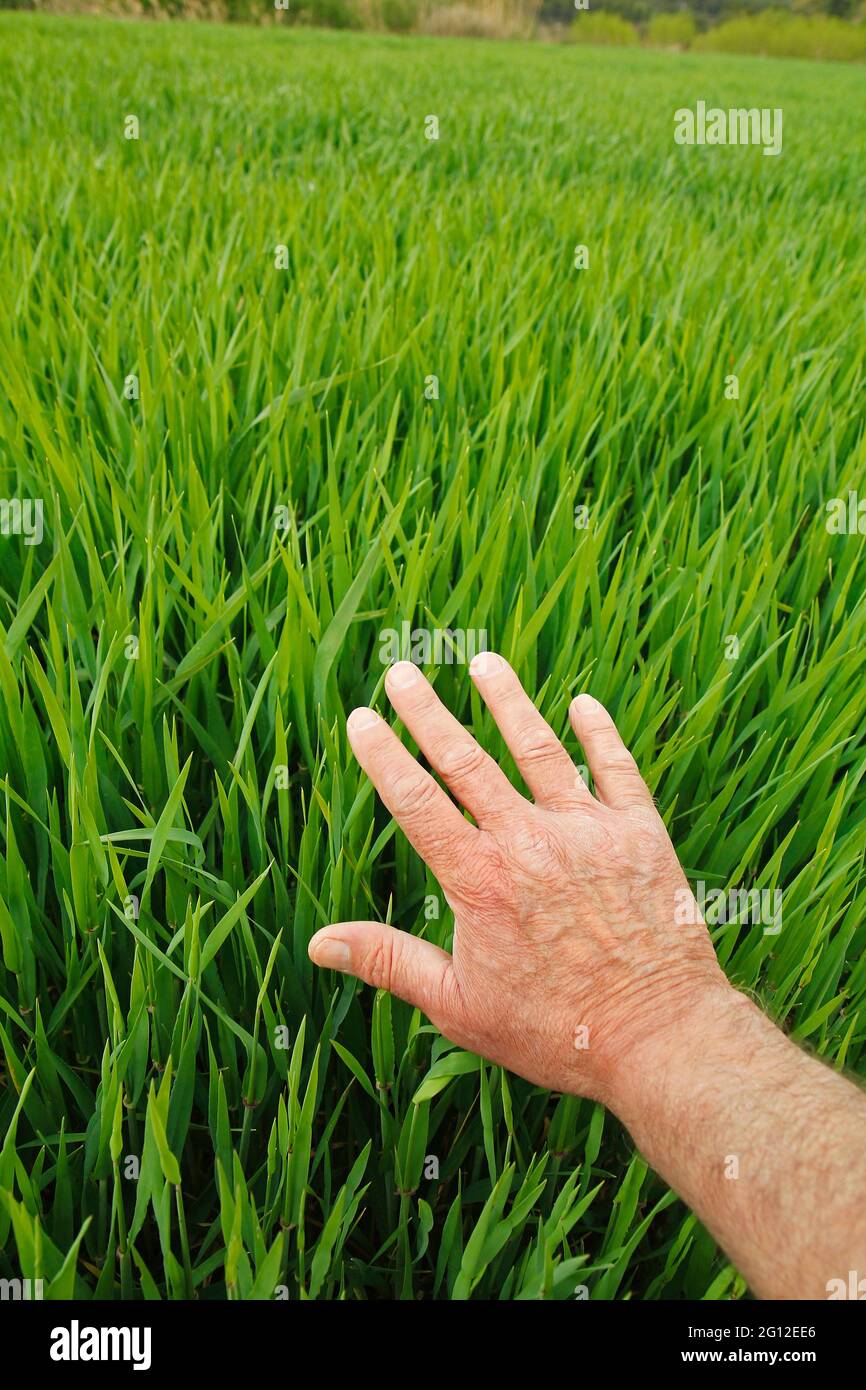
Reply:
x=414 y=970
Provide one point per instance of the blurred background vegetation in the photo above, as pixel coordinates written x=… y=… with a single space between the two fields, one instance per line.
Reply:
x=827 y=29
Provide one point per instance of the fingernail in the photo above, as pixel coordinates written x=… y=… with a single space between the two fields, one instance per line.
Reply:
x=362 y=718
x=403 y=673
x=330 y=953
x=486 y=664
x=586 y=702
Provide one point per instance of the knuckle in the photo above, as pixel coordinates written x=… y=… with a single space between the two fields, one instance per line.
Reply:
x=533 y=745
x=447 y=1007
x=461 y=760
x=541 y=856
x=655 y=845
x=380 y=965
x=413 y=791
x=620 y=763
x=651 y=855
x=482 y=882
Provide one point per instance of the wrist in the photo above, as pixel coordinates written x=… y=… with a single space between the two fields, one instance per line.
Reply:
x=676 y=1065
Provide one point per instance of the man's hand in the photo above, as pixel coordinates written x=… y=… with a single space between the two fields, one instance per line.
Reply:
x=566 y=955
x=569 y=968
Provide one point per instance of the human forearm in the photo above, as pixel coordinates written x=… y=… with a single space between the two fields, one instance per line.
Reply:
x=765 y=1143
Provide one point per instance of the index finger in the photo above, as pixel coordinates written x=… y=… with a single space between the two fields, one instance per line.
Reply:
x=473 y=776
x=429 y=819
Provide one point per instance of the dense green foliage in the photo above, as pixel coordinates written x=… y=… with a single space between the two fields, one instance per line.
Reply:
x=178 y=655
x=780 y=35
x=773 y=33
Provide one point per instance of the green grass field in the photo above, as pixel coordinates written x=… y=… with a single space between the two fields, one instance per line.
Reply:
x=188 y=1107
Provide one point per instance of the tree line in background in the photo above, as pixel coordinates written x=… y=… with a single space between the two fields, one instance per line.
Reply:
x=831 y=29
x=705 y=13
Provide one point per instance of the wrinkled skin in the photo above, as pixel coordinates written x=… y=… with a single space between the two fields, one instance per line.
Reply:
x=574 y=924
x=566 y=956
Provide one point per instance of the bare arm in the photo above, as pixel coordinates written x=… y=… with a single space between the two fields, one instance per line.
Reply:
x=765 y=1143
x=572 y=967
